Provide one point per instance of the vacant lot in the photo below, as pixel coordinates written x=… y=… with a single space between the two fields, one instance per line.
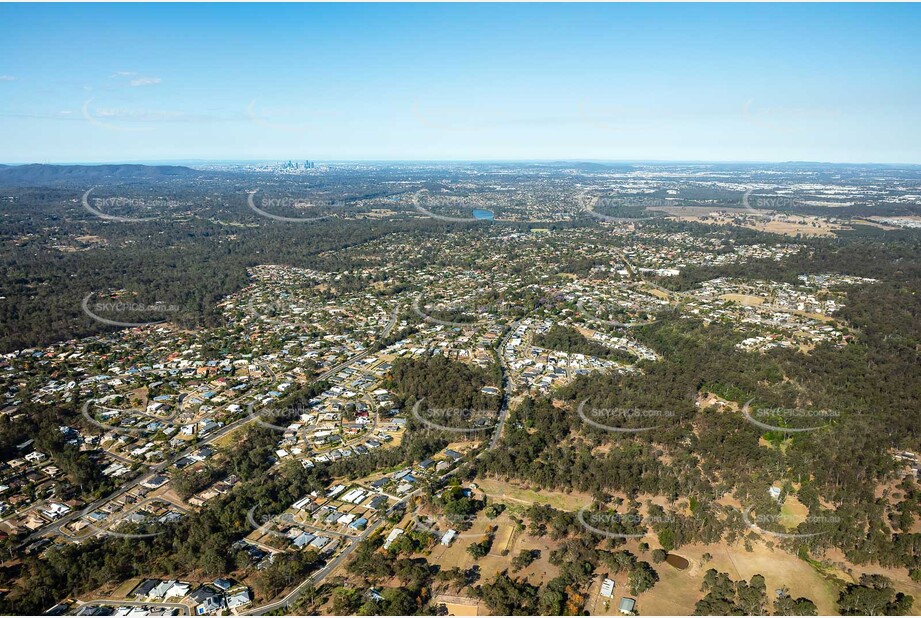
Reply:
x=508 y=541
x=788 y=225
x=501 y=491
x=744 y=299
x=678 y=591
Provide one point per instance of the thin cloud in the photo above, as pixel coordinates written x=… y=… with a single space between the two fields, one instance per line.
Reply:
x=139 y=114
x=7 y=78
x=136 y=79
x=145 y=81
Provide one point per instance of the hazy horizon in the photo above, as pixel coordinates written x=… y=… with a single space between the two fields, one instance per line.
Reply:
x=192 y=162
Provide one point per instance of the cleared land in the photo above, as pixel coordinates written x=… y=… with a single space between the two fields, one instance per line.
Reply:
x=503 y=491
x=763 y=221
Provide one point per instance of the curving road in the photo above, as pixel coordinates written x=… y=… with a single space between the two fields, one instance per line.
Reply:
x=55 y=527
x=506 y=388
x=331 y=566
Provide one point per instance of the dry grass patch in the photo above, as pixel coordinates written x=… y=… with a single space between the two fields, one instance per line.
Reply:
x=503 y=490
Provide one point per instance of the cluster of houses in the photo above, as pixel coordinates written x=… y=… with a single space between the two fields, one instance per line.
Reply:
x=782 y=315
x=129 y=508
x=348 y=510
x=156 y=597
x=543 y=370
x=32 y=487
x=203 y=599
x=350 y=418
x=319 y=521
x=674 y=251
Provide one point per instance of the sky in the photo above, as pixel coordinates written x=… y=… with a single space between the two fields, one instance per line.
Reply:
x=721 y=82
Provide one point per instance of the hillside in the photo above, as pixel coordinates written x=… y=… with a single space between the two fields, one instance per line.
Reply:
x=37 y=174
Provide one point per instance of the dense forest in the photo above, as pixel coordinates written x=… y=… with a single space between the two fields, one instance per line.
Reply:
x=446 y=395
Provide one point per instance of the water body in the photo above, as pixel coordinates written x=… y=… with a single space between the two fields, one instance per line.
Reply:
x=483 y=214
x=679 y=562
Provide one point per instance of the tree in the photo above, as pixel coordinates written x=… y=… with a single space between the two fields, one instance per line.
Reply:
x=508 y=597
x=873 y=596
x=346 y=601
x=788 y=606
x=524 y=558
x=642 y=577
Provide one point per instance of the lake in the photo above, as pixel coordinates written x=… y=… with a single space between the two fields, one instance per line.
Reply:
x=483 y=214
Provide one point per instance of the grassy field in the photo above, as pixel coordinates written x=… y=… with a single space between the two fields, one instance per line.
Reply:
x=507 y=541
x=792 y=225
x=658 y=293
x=793 y=513
x=127 y=586
x=678 y=591
x=501 y=491
x=744 y=299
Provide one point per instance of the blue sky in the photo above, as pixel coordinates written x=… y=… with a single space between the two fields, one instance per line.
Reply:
x=93 y=83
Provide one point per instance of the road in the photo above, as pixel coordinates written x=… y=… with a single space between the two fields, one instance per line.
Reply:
x=506 y=388
x=331 y=566
x=125 y=488
x=391 y=323
x=55 y=527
